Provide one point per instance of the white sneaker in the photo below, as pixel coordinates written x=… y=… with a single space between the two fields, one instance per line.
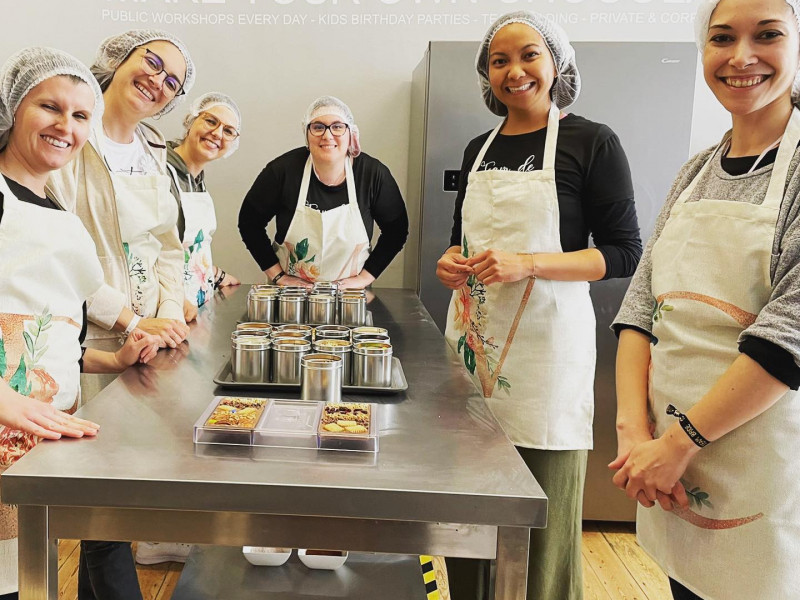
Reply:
x=151 y=553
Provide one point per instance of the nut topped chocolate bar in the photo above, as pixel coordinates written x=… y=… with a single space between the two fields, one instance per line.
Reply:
x=241 y=413
x=345 y=418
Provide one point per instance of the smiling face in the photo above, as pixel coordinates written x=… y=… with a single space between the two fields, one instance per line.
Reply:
x=135 y=90
x=521 y=69
x=51 y=124
x=208 y=144
x=751 y=55
x=328 y=149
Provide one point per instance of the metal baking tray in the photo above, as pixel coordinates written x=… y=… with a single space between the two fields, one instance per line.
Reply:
x=367 y=321
x=399 y=384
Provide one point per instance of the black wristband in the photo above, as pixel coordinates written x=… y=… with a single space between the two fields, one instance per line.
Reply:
x=687 y=426
x=220 y=277
x=277 y=277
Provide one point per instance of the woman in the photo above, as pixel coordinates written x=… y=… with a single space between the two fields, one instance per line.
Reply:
x=49 y=267
x=211 y=131
x=325 y=199
x=707 y=366
x=530 y=193
x=119 y=187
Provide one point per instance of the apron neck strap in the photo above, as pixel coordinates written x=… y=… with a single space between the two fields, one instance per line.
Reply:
x=551 y=138
x=352 y=200
x=780 y=170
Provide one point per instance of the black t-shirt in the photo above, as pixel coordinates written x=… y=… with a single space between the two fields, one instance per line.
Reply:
x=25 y=195
x=274 y=195
x=593 y=182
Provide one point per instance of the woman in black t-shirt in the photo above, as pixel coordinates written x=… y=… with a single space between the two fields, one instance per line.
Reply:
x=531 y=192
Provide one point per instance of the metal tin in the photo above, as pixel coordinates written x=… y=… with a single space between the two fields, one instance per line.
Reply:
x=250 y=356
x=352 y=310
x=291 y=335
x=342 y=348
x=372 y=364
x=332 y=332
x=370 y=329
x=294 y=289
x=325 y=287
x=291 y=308
x=254 y=327
x=322 y=309
x=370 y=337
x=265 y=287
x=321 y=377
x=261 y=306
x=307 y=330
x=353 y=292
x=286 y=355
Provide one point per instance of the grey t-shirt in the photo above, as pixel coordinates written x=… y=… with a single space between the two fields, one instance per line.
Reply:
x=776 y=330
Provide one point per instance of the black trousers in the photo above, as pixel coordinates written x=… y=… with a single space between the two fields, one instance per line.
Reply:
x=681 y=593
x=107 y=572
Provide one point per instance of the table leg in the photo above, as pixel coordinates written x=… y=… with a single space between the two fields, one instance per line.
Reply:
x=38 y=555
x=511 y=579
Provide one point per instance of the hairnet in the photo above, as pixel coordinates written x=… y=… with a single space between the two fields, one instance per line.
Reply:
x=28 y=68
x=114 y=50
x=206 y=102
x=703 y=19
x=328 y=105
x=567 y=85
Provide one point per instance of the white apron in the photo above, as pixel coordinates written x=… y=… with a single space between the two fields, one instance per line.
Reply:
x=49 y=267
x=200 y=224
x=145 y=209
x=740 y=540
x=529 y=348
x=329 y=245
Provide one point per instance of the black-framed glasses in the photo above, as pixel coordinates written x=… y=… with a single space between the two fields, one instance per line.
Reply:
x=229 y=132
x=153 y=64
x=337 y=129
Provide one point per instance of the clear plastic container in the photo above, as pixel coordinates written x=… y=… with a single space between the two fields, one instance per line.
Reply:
x=226 y=422
x=356 y=427
x=289 y=424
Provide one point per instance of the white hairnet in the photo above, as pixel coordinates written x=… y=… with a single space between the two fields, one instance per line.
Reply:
x=329 y=105
x=566 y=87
x=210 y=100
x=115 y=49
x=703 y=18
x=28 y=68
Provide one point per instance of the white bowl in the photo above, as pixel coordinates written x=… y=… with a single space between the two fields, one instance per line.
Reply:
x=266 y=557
x=321 y=561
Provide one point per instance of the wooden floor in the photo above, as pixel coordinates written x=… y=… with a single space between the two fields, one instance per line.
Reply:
x=614 y=568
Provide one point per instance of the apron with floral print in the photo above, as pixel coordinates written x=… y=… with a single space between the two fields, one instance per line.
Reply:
x=530 y=348
x=740 y=537
x=49 y=267
x=329 y=245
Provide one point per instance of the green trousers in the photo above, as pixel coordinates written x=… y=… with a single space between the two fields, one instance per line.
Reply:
x=555 y=569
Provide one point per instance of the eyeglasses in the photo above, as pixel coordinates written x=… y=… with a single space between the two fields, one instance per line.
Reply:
x=153 y=64
x=211 y=122
x=337 y=129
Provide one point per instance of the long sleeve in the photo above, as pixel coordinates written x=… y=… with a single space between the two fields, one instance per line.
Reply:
x=259 y=207
x=388 y=211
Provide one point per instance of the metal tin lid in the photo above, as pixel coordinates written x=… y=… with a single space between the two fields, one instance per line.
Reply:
x=266 y=288
x=368 y=329
x=360 y=293
x=352 y=300
x=291 y=345
x=321 y=299
x=291 y=335
x=373 y=348
x=294 y=327
x=332 y=345
x=293 y=289
x=321 y=362
x=332 y=328
x=262 y=296
x=370 y=337
x=266 y=327
x=251 y=342
x=292 y=298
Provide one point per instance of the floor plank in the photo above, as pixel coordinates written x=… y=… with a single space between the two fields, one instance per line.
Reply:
x=642 y=568
x=592 y=586
x=609 y=568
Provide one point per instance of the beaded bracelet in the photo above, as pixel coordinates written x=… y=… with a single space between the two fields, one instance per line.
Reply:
x=687 y=426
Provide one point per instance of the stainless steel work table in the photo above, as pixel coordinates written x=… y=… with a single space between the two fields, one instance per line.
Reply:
x=446 y=480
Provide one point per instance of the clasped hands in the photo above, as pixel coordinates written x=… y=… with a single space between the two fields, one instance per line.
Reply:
x=649 y=470
x=490 y=266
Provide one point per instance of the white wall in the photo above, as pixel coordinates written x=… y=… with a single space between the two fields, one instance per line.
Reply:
x=275 y=56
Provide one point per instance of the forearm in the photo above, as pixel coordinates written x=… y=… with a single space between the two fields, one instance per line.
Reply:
x=99 y=361
x=581 y=265
x=743 y=392
x=124 y=319
x=633 y=364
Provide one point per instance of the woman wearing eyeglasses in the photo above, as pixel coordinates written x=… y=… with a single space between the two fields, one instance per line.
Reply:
x=211 y=132
x=325 y=199
x=119 y=188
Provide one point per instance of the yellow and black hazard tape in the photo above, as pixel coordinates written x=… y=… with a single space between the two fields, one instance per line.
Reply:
x=429 y=577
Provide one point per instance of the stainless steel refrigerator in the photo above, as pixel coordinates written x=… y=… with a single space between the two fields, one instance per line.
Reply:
x=644 y=91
